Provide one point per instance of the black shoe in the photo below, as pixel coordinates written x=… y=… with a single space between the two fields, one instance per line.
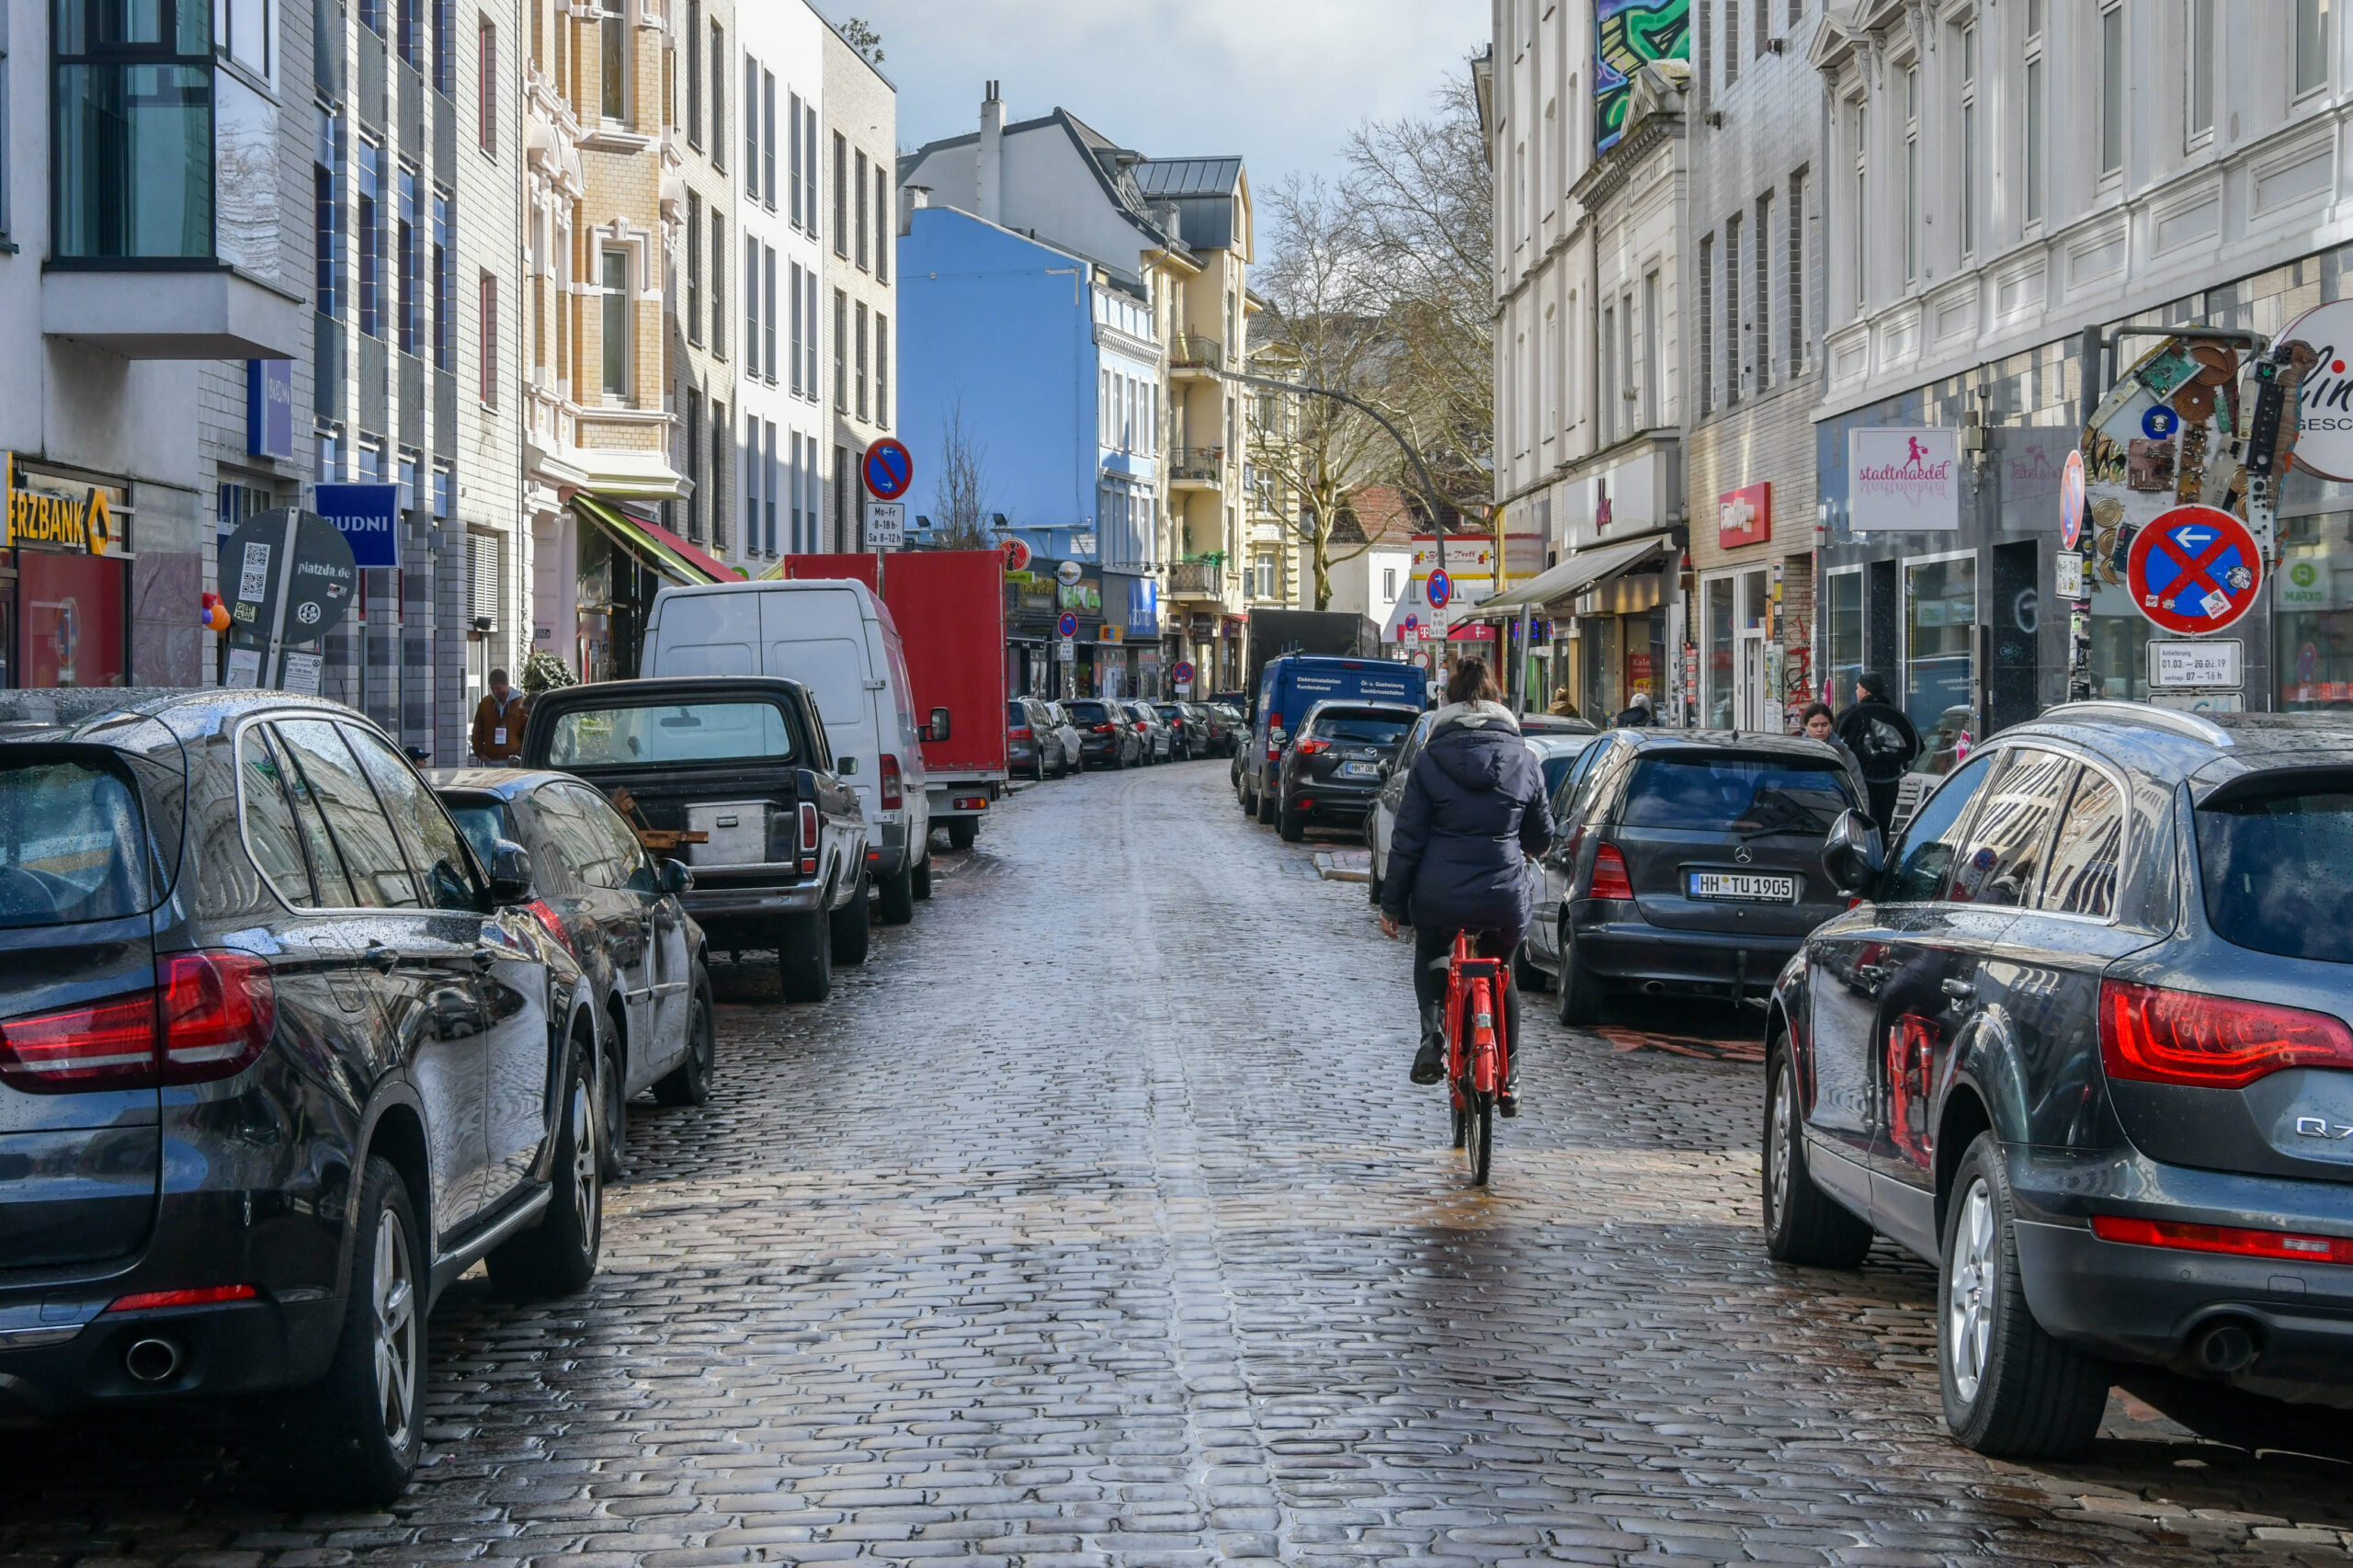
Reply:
x=1508 y=1103
x=1429 y=1063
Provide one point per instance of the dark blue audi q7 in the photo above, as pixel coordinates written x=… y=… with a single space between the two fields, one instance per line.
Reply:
x=2083 y=1041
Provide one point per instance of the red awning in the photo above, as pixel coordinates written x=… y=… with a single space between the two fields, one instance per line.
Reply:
x=1472 y=631
x=720 y=571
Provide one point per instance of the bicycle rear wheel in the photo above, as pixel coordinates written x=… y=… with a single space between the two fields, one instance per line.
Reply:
x=1479 y=1139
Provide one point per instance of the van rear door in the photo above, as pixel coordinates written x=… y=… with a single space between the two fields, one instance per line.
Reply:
x=817 y=636
x=704 y=634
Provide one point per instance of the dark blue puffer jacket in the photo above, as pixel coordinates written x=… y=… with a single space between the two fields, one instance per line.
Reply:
x=1474 y=810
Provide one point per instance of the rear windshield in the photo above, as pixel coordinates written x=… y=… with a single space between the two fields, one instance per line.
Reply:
x=1370 y=729
x=1091 y=712
x=70 y=845
x=671 y=733
x=1015 y=712
x=1169 y=711
x=1736 y=794
x=1556 y=767
x=2275 y=872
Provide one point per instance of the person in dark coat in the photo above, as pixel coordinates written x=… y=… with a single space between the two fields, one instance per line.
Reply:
x=1883 y=740
x=1473 y=811
x=1638 y=714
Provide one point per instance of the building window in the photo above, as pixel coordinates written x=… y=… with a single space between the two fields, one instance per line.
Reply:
x=408 y=235
x=486 y=86
x=792 y=137
x=767 y=138
x=861 y=354
x=881 y=370
x=860 y=183
x=752 y=450
x=1707 y=334
x=717 y=141
x=841 y=342
x=327 y=224
x=883 y=224
x=408 y=34
x=614 y=278
x=808 y=169
x=1732 y=40
x=721 y=465
x=370 y=236
x=2311 y=45
x=768 y=325
x=843 y=465
x=694 y=267
x=694 y=72
x=2111 y=91
x=751 y=306
x=445 y=47
x=445 y=287
x=1911 y=174
x=809 y=280
x=1654 y=371
x=694 y=465
x=1968 y=192
x=612 y=37
x=841 y=196
x=2033 y=111
x=794 y=342
x=767 y=502
x=1797 y=273
x=1860 y=121
x=1732 y=311
x=718 y=293
x=1758 y=357
x=752 y=130
x=2198 y=59
x=489 y=288
x=1389 y=583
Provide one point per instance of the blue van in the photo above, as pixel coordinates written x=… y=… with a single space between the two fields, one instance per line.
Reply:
x=1294 y=683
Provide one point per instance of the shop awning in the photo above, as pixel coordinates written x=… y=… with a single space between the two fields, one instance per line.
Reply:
x=664 y=552
x=1583 y=570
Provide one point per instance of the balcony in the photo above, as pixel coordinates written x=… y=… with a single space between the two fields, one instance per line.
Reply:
x=1197 y=468
x=1190 y=354
x=1198 y=580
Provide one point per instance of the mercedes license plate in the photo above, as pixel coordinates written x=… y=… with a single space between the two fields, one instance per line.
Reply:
x=1358 y=769
x=1743 y=887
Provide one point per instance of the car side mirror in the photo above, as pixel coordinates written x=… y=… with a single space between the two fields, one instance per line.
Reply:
x=510 y=873
x=938 y=729
x=676 y=880
x=1853 y=855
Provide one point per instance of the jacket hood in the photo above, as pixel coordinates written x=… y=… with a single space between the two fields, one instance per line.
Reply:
x=1473 y=715
x=1476 y=755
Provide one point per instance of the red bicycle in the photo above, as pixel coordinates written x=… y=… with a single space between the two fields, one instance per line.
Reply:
x=1478 y=1052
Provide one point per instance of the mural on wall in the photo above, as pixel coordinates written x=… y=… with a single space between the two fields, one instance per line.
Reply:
x=1627 y=35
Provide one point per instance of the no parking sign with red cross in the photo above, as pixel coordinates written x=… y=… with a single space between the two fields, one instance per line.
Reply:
x=2194 y=570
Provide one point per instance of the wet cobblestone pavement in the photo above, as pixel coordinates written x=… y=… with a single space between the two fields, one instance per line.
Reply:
x=1094 y=1221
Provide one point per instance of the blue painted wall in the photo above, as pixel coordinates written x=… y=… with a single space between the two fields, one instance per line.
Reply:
x=1004 y=324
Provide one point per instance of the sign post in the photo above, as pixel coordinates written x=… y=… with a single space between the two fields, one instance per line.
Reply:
x=294 y=581
x=888 y=470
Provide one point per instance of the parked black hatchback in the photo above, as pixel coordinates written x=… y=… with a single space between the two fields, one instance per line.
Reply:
x=2083 y=1043
x=1685 y=860
x=278 y=1062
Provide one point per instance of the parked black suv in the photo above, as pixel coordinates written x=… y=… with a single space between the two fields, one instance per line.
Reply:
x=1685 y=860
x=742 y=761
x=1335 y=763
x=280 y=1063
x=2083 y=1043
x=1107 y=733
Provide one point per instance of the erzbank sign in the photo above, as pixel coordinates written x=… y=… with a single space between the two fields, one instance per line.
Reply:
x=367 y=515
x=43 y=516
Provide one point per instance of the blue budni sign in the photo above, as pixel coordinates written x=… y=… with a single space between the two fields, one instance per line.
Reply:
x=369 y=517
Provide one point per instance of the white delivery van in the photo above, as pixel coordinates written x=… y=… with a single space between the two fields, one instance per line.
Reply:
x=835 y=638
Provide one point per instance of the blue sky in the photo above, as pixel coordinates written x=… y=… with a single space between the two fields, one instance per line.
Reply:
x=1279 y=82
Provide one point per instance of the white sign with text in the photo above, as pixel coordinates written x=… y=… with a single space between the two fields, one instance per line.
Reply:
x=1903 y=481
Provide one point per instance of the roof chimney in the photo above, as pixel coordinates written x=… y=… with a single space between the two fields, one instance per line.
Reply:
x=989 y=174
x=913 y=199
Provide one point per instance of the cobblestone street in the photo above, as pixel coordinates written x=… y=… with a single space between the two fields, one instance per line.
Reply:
x=1095 y=1222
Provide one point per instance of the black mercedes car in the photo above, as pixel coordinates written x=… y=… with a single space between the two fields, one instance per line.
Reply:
x=620 y=913
x=280 y=1061
x=1685 y=860
x=2085 y=1041
x=1335 y=761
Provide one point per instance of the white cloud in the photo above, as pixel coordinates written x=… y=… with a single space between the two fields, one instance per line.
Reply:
x=1279 y=82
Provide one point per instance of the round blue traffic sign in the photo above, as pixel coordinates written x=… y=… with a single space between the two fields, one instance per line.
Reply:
x=1068 y=625
x=888 y=470
x=1441 y=589
x=1183 y=672
x=2159 y=422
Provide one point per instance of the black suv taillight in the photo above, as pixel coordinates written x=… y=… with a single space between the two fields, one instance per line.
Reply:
x=210 y=1016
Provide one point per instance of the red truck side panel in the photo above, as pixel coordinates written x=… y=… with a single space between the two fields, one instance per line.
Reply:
x=948 y=605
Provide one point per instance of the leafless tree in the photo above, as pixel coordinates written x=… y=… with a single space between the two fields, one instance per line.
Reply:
x=957 y=494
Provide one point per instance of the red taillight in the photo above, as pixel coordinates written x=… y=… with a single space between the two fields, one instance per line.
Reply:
x=1023 y=732
x=1143 y=727
x=211 y=1295
x=219 y=1012
x=547 y=917
x=808 y=839
x=894 y=797
x=2211 y=1042
x=1102 y=728
x=1309 y=748
x=208 y=1018
x=2228 y=1239
x=1609 y=874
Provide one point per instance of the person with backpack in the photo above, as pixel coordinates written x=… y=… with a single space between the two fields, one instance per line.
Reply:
x=1884 y=743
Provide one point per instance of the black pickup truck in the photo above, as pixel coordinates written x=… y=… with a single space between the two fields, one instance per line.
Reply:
x=739 y=767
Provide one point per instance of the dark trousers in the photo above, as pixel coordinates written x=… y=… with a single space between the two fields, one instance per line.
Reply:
x=1431 y=949
x=1882 y=802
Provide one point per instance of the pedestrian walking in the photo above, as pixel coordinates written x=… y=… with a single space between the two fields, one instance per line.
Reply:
x=498 y=722
x=1473 y=815
x=1883 y=740
x=1638 y=714
x=1818 y=723
x=1564 y=706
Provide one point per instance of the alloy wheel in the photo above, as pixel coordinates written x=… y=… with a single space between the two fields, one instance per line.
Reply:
x=1969 y=1297
x=1783 y=1149
x=587 y=1173
x=396 y=1329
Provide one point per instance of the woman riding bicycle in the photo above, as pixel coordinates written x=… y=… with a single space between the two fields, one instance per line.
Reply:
x=1474 y=809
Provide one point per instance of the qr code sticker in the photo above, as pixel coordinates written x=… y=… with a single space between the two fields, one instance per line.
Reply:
x=253 y=578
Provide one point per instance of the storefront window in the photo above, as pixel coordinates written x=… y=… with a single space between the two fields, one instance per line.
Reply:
x=1843 y=620
x=2312 y=613
x=1939 y=616
x=1716 y=702
x=73 y=620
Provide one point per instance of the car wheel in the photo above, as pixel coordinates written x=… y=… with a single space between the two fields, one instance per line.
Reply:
x=1804 y=1224
x=355 y=1434
x=804 y=951
x=1580 y=994
x=962 y=830
x=689 y=1082
x=921 y=881
x=558 y=1255
x=898 y=898
x=612 y=1094
x=1523 y=971
x=853 y=926
x=1249 y=802
x=2010 y=1389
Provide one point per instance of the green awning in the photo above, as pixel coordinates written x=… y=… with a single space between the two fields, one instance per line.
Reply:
x=641 y=541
